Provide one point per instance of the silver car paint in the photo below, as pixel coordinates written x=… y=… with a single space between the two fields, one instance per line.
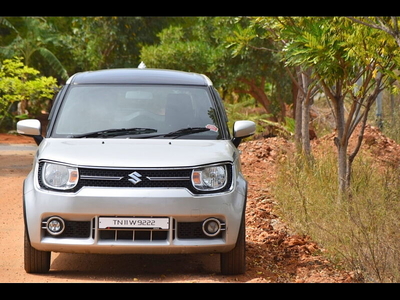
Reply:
x=149 y=153
x=91 y=202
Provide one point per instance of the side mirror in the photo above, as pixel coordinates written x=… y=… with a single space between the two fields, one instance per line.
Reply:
x=241 y=130
x=32 y=128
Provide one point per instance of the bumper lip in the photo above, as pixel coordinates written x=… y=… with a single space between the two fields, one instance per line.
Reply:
x=171 y=244
x=87 y=246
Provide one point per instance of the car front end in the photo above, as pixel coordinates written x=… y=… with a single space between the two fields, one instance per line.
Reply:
x=136 y=201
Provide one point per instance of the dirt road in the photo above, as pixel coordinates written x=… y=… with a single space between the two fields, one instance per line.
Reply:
x=273 y=255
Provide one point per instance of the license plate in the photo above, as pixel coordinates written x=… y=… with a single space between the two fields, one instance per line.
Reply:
x=118 y=222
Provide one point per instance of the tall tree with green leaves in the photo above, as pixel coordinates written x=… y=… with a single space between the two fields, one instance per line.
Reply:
x=112 y=42
x=28 y=37
x=389 y=25
x=282 y=30
x=340 y=53
x=218 y=47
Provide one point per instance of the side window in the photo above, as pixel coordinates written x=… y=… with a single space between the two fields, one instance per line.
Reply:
x=221 y=109
x=56 y=102
x=220 y=105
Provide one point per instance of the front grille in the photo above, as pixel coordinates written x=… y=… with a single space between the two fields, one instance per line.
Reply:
x=133 y=235
x=137 y=178
x=148 y=178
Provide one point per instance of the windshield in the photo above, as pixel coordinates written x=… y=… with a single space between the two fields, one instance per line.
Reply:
x=96 y=110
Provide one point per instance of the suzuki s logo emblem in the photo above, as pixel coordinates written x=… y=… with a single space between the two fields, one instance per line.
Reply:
x=135 y=177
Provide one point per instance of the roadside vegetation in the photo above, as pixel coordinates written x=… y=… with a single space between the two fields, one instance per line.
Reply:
x=23 y=92
x=360 y=233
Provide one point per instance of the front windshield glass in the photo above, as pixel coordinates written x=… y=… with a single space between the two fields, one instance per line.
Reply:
x=158 y=109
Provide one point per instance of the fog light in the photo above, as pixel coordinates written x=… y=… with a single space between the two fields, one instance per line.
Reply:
x=55 y=225
x=211 y=227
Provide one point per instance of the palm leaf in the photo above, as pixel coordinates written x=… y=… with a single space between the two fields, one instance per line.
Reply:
x=54 y=62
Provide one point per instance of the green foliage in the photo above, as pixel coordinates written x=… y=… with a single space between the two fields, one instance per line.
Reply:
x=316 y=42
x=229 y=51
x=285 y=129
x=103 y=42
x=244 y=110
x=337 y=49
x=248 y=110
x=362 y=232
x=32 y=38
x=21 y=84
x=176 y=51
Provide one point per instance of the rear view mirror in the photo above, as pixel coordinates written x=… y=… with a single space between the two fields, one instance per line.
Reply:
x=140 y=95
x=32 y=128
x=241 y=130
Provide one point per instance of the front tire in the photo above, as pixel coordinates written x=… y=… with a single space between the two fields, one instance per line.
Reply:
x=35 y=261
x=234 y=261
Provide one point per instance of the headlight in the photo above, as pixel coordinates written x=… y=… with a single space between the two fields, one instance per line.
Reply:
x=209 y=178
x=59 y=177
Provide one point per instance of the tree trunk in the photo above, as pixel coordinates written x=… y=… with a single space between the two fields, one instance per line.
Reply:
x=263 y=99
x=297 y=114
x=22 y=107
x=257 y=90
x=305 y=123
x=305 y=128
x=341 y=142
x=302 y=113
x=343 y=170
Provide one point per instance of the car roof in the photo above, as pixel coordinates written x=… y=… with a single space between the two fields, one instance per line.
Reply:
x=139 y=76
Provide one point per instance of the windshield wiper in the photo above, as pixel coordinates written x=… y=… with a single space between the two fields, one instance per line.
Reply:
x=177 y=133
x=114 y=132
x=186 y=131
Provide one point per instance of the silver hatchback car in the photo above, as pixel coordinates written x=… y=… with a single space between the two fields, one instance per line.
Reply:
x=136 y=161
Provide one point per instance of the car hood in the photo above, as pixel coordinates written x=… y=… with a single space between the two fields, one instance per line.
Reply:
x=136 y=152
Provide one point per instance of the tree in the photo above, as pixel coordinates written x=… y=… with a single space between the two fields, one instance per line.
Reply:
x=80 y=43
x=218 y=47
x=306 y=90
x=283 y=30
x=340 y=53
x=112 y=42
x=390 y=25
x=23 y=86
x=30 y=36
x=176 y=51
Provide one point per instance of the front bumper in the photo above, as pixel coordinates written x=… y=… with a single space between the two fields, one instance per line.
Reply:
x=81 y=212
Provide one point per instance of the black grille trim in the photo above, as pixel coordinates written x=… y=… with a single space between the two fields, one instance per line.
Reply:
x=149 y=178
x=86 y=229
x=73 y=229
x=193 y=230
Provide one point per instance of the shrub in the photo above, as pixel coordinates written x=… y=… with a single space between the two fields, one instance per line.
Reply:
x=23 y=92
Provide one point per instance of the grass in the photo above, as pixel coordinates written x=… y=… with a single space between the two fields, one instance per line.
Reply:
x=362 y=232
